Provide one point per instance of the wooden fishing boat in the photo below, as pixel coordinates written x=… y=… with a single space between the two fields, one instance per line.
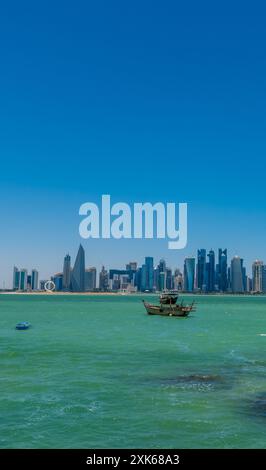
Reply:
x=177 y=310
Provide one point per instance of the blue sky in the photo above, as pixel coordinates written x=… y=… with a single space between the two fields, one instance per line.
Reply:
x=145 y=101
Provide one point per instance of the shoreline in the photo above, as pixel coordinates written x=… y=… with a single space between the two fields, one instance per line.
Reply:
x=126 y=294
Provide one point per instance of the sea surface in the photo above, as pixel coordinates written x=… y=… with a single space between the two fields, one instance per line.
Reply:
x=98 y=372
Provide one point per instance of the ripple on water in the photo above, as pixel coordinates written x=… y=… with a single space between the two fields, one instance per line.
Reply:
x=256 y=406
x=201 y=382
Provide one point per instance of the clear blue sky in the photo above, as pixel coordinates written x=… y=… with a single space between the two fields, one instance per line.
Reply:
x=144 y=100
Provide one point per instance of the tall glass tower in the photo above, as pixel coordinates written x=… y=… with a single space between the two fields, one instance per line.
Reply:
x=67 y=272
x=189 y=274
x=201 y=270
x=211 y=272
x=34 y=279
x=23 y=279
x=16 y=276
x=257 y=276
x=78 y=272
x=264 y=279
x=222 y=271
x=236 y=274
x=149 y=273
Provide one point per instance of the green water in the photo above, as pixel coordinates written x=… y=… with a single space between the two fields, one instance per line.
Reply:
x=98 y=372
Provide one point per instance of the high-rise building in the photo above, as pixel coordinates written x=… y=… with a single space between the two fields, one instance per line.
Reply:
x=222 y=279
x=249 y=284
x=201 y=270
x=34 y=279
x=160 y=276
x=156 y=274
x=143 y=282
x=189 y=274
x=90 y=279
x=121 y=280
x=67 y=273
x=42 y=284
x=29 y=282
x=132 y=266
x=257 y=276
x=16 y=276
x=210 y=272
x=169 y=279
x=162 y=281
x=245 y=277
x=103 y=280
x=178 y=280
x=149 y=273
x=23 y=278
x=162 y=266
x=114 y=282
x=237 y=275
x=58 y=281
x=138 y=277
x=264 y=279
x=118 y=273
x=78 y=272
x=229 y=278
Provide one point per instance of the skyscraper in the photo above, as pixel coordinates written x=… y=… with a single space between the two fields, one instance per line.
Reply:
x=264 y=279
x=16 y=276
x=29 y=288
x=169 y=279
x=245 y=277
x=160 y=275
x=34 y=279
x=178 y=280
x=143 y=282
x=67 y=272
x=201 y=270
x=103 y=280
x=249 y=284
x=58 y=280
x=138 y=279
x=222 y=279
x=90 y=279
x=162 y=266
x=257 y=276
x=78 y=272
x=162 y=281
x=229 y=278
x=132 y=266
x=189 y=274
x=210 y=269
x=237 y=275
x=156 y=274
x=23 y=277
x=149 y=273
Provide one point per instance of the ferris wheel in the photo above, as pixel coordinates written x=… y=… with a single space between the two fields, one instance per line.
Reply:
x=49 y=286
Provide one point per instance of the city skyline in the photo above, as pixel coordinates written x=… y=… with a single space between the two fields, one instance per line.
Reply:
x=206 y=272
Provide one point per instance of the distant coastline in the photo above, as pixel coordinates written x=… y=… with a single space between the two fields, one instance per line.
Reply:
x=127 y=294
x=44 y=293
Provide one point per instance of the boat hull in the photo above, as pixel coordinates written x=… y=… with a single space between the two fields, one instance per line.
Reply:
x=168 y=310
x=23 y=326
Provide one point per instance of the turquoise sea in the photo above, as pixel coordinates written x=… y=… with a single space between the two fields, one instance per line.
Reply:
x=97 y=372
